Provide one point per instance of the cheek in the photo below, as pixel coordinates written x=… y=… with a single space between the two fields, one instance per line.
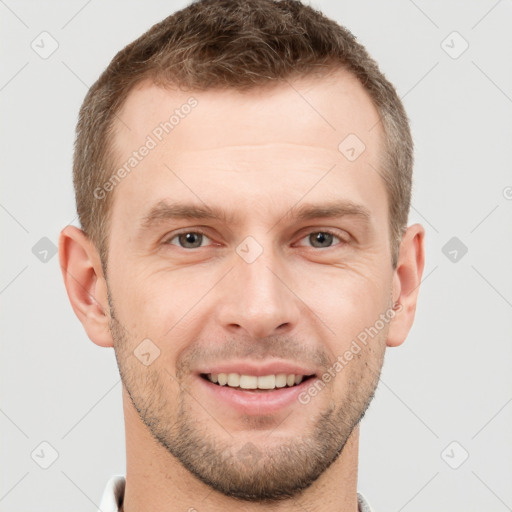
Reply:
x=351 y=306
x=150 y=299
x=163 y=306
x=348 y=300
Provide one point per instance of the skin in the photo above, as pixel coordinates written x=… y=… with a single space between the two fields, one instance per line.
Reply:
x=254 y=155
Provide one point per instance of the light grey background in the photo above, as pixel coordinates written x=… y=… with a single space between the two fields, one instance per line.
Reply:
x=450 y=381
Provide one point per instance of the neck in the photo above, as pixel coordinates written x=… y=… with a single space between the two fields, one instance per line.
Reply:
x=156 y=480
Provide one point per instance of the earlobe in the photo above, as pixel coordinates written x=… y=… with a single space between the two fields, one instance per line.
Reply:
x=85 y=284
x=406 y=282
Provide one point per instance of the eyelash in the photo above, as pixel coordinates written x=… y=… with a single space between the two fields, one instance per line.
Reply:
x=200 y=232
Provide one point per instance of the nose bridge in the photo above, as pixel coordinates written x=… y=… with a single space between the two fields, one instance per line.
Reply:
x=255 y=298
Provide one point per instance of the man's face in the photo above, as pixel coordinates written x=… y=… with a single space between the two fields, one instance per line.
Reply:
x=259 y=291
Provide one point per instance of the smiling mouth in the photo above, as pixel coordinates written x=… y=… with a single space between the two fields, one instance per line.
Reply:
x=254 y=383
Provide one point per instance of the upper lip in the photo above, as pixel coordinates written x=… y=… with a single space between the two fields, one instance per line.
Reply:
x=258 y=369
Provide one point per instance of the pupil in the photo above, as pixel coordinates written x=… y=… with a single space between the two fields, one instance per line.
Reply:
x=324 y=239
x=193 y=239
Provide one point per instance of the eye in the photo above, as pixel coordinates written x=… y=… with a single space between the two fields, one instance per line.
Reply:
x=196 y=239
x=322 y=239
x=189 y=239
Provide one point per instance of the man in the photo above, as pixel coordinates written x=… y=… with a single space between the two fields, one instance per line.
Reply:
x=243 y=180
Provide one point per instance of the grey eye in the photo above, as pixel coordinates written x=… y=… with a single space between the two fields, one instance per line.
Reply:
x=190 y=240
x=321 y=239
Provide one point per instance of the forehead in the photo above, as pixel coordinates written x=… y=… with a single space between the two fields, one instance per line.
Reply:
x=332 y=105
x=268 y=145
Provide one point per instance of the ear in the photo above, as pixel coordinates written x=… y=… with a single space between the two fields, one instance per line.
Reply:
x=85 y=283
x=406 y=282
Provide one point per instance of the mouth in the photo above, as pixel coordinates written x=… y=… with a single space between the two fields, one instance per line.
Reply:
x=251 y=389
x=254 y=383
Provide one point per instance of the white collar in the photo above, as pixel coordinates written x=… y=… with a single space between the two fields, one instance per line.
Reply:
x=114 y=493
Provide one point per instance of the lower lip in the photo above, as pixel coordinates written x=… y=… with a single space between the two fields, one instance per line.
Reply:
x=255 y=402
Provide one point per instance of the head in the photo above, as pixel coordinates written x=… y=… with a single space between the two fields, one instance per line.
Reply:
x=243 y=179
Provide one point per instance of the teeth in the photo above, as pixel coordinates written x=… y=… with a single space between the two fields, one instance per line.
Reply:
x=248 y=382
x=280 y=380
x=235 y=380
x=267 y=382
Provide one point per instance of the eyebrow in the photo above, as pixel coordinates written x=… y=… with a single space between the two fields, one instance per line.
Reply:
x=164 y=211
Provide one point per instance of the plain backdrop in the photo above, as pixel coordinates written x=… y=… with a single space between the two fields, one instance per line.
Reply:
x=438 y=434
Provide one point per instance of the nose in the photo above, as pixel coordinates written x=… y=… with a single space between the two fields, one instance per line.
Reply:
x=258 y=298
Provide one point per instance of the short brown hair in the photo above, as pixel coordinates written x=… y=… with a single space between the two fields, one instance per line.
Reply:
x=238 y=44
